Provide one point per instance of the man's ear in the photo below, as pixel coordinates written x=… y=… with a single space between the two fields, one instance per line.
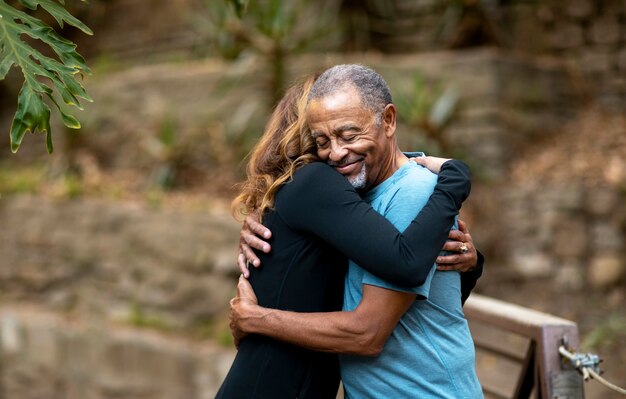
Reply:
x=389 y=120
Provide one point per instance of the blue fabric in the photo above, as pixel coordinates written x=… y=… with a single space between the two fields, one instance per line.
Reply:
x=430 y=353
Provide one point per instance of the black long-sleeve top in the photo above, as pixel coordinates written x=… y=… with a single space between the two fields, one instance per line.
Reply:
x=318 y=223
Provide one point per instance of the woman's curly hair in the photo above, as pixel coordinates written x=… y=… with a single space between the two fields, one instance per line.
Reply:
x=284 y=146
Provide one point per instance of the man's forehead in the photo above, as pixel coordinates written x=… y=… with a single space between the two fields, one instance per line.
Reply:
x=337 y=121
x=341 y=97
x=342 y=106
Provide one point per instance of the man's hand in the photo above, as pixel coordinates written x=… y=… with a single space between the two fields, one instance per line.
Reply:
x=249 y=239
x=431 y=163
x=466 y=257
x=241 y=309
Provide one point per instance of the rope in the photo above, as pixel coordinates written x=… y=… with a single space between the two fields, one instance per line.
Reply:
x=606 y=383
x=587 y=365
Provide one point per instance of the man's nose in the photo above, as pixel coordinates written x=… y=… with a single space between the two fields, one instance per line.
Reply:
x=337 y=151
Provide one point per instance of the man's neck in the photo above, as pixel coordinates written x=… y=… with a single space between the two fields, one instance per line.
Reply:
x=400 y=159
x=395 y=162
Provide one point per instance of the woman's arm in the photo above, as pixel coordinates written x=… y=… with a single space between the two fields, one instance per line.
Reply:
x=321 y=201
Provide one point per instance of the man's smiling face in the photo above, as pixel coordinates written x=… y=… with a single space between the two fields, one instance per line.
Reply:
x=349 y=139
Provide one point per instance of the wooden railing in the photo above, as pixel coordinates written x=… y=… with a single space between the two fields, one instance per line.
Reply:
x=517 y=352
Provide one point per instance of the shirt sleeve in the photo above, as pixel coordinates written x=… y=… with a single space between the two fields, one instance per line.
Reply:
x=321 y=201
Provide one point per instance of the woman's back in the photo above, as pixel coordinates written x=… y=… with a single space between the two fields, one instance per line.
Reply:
x=302 y=273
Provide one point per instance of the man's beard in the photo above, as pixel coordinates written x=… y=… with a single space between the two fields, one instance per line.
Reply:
x=358 y=181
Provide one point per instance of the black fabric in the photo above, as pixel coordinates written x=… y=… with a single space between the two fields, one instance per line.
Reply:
x=469 y=279
x=320 y=221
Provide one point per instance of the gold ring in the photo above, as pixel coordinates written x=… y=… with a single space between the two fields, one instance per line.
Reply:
x=463 y=248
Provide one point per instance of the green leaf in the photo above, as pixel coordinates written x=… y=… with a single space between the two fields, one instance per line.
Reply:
x=60 y=14
x=32 y=115
x=41 y=73
x=68 y=120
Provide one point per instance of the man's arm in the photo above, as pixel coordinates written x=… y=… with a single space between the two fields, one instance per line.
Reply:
x=363 y=331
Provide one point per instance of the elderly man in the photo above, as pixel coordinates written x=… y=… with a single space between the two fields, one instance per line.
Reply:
x=419 y=336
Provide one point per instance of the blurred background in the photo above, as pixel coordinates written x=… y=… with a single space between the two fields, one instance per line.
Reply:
x=117 y=252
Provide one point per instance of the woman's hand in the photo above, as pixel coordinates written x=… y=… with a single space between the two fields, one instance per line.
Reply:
x=465 y=259
x=432 y=163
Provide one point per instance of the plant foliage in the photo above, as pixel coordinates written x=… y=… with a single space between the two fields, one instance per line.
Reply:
x=271 y=29
x=41 y=73
x=427 y=107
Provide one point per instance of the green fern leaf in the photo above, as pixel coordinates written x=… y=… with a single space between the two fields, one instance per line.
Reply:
x=41 y=73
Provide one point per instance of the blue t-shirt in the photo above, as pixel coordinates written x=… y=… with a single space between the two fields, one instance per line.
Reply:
x=430 y=353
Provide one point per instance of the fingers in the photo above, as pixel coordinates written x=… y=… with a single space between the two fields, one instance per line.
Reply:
x=456 y=263
x=449 y=260
x=457 y=246
x=432 y=163
x=249 y=255
x=240 y=288
x=463 y=226
x=460 y=262
x=249 y=240
x=257 y=228
x=244 y=290
x=463 y=257
x=419 y=160
x=242 y=262
x=255 y=242
x=250 y=233
x=459 y=235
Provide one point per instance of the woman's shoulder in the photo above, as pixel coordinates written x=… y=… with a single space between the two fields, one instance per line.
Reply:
x=313 y=167
x=313 y=172
x=311 y=179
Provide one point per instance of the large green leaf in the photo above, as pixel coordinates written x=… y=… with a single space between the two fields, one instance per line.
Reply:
x=42 y=74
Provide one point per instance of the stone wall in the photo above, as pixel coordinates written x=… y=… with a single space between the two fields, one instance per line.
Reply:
x=572 y=235
x=591 y=35
x=104 y=300
x=506 y=101
x=48 y=356
x=128 y=263
x=567 y=202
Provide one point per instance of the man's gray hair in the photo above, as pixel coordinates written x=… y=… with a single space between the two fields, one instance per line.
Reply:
x=373 y=91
